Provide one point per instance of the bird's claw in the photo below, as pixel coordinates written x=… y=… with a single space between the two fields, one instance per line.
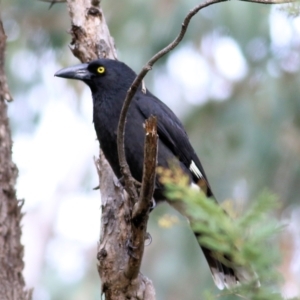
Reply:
x=148 y=238
x=130 y=248
x=152 y=204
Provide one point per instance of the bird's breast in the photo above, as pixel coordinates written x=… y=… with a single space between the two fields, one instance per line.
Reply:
x=106 y=126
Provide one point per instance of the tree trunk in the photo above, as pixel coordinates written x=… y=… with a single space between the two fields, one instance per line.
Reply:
x=12 y=284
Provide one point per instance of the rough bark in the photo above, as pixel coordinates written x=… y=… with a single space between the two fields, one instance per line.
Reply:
x=12 y=284
x=90 y=40
x=140 y=208
x=90 y=35
x=115 y=249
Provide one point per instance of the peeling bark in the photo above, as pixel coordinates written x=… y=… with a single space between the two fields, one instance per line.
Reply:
x=114 y=247
x=90 y=34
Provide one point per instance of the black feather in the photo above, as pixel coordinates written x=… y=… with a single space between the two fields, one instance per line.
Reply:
x=108 y=91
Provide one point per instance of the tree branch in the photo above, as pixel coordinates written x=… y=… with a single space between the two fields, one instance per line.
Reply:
x=136 y=83
x=141 y=208
x=116 y=249
x=52 y=2
x=116 y=253
x=90 y=35
x=268 y=1
x=149 y=170
x=147 y=67
x=140 y=212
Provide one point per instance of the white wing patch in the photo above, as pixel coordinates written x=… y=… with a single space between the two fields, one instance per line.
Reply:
x=195 y=187
x=195 y=170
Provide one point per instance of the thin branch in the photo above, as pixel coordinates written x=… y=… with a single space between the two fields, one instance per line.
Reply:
x=134 y=86
x=269 y=1
x=139 y=78
x=52 y=2
x=141 y=208
x=149 y=170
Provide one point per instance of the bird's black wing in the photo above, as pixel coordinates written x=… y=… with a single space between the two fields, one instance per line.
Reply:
x=173 y=135
x=171 y=132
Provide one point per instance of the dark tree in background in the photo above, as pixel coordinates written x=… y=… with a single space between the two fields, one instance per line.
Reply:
x=12 y=284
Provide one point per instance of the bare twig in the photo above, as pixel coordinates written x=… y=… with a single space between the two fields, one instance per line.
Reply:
x=134 y=86
x=149 y=171
x=269 y=1
x=147 y=67
x=141 y=208
x=140 y=212
x=52 y=2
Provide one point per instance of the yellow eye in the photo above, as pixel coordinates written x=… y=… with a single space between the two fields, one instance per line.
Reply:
x=101 y=70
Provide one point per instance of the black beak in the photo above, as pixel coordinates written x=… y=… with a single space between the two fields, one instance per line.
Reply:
x=79 y=72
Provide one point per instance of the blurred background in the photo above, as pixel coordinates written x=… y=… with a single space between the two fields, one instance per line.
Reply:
x=234 y=82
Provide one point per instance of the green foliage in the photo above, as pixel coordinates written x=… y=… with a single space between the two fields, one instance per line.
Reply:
x=249 y=240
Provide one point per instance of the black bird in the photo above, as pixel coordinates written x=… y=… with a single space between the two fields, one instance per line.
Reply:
x=109 y=81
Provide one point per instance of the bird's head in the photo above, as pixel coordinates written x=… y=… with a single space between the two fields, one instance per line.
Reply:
x=100 y=74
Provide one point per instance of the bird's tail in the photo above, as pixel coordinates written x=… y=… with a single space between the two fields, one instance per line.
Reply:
x=225 y=276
